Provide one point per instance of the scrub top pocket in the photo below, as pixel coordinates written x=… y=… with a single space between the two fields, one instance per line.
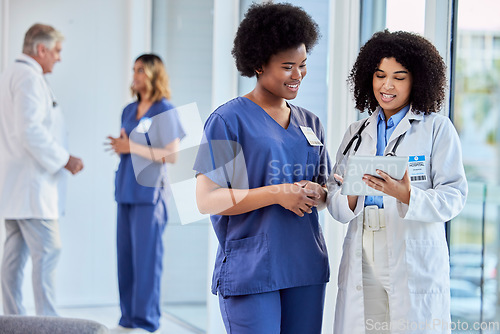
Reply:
x=246 y=266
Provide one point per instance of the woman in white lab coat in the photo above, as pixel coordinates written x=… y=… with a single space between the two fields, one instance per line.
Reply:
x=394 y=272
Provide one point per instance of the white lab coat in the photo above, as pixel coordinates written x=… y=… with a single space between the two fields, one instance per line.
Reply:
x=32 y=144
x=418 y=256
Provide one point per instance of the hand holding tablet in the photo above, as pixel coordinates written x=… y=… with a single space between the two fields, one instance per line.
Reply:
x=357 y=166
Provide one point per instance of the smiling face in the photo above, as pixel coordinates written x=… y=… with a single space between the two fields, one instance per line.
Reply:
x=392 y=85
x=283 y=73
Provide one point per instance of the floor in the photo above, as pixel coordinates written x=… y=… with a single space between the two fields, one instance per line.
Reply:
x=194 y=315
x=176 y=319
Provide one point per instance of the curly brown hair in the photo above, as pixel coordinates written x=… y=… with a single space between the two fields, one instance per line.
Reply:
x=269 y=28
x=416 y=54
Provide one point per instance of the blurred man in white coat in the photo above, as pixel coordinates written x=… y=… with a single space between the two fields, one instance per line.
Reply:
x=33 y=158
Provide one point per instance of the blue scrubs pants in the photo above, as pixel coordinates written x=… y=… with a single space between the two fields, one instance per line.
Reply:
x=140 y=253
x=288 y=311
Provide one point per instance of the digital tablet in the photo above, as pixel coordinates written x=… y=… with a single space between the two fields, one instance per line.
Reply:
x=357 y=166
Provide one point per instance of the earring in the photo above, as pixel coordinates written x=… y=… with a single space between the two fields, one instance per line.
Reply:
x=258 y=72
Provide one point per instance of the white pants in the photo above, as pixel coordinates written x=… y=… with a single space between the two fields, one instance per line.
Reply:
x=376 y=281
x=40 y=238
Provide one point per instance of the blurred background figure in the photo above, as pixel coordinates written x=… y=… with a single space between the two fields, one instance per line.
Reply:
x=155 y=131
x=34 y=154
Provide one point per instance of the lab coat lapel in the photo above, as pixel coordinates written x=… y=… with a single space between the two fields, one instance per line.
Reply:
x=402 y=127
x=369 y=135
x=371 y=129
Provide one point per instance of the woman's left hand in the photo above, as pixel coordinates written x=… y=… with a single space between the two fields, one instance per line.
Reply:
x=120 y=144
x=399 y=189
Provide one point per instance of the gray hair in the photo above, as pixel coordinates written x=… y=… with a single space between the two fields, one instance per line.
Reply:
x=40 y=34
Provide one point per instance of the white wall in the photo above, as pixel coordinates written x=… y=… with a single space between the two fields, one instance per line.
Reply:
x=3 y=31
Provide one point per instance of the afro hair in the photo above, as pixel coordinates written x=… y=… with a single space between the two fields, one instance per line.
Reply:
x=270 y=28
x=416 y=54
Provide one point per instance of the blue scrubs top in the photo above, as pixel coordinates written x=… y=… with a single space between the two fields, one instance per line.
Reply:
x=384 y=133
x=163 y=127
x=269 y=248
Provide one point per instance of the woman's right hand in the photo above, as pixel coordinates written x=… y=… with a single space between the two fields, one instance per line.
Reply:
x=120 y=145
x=297 y=199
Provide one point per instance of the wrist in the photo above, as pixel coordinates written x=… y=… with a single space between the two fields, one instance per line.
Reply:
x=274 y=192
x=406 y=199
x=324 y=194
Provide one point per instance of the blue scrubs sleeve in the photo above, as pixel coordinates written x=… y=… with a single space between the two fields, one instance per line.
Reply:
x=165 y=125
x=169 y=127
x=220 y=156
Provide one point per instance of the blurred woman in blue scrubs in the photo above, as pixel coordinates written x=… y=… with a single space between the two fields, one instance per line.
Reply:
x=154 y=129
x=261 y=173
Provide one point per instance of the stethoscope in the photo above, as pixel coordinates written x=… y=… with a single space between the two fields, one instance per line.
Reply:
x=54 y=102
x=357 y=137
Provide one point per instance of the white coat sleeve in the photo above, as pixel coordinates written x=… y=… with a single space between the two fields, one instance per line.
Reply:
x=30 y=102
x=446 y=198
x=337 y=203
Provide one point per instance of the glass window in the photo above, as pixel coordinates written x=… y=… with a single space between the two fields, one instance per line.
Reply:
x=182 y=36
x=377 y=15
x=398 y=12
x=475 y=234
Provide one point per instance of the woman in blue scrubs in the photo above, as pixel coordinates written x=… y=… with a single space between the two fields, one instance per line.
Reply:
x=261 y=171
x=149 y=139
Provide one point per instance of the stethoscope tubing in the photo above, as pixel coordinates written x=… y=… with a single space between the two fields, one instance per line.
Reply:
x=357 y=137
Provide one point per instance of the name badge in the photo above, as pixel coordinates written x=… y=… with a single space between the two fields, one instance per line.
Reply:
x=416 y=168
x=144 y=125
x=311 y=136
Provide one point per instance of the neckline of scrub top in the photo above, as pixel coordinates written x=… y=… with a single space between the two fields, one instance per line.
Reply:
x=265 y=112
x=147 y=111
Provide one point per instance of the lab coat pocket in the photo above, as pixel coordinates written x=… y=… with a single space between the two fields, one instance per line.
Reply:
x=247 y=267
x=427 y=266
